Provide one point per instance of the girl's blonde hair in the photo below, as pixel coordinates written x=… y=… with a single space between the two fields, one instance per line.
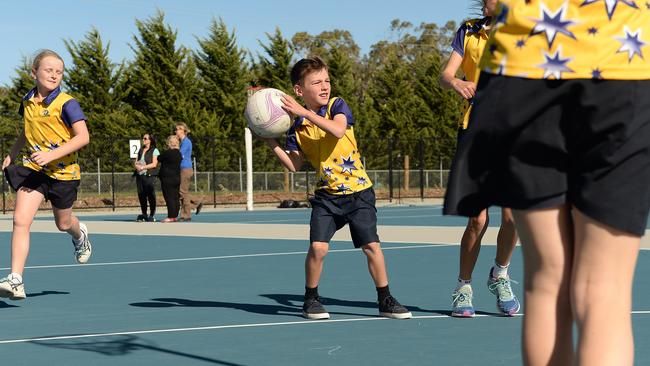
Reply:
x=172 y=140
x=40 y=55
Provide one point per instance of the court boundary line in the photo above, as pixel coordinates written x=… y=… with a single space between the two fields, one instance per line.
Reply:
x=239 y=326
x=196 y=259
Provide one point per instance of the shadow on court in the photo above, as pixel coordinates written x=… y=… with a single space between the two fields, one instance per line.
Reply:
x=251 y=308
x=124 y=345
x=45 y=293
x=35 y=294
x=4 y=305
x=288 y=309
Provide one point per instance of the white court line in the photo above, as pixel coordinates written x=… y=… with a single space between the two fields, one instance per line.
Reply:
x=235 y=326
x=220 y=257
x=213 y=327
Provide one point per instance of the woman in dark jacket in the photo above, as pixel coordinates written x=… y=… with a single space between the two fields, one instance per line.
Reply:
x=146 y=168
x=170 y=177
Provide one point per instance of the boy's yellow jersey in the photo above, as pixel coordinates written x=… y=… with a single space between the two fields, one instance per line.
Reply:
x=48 y=125
x=338 y=161
x=570 y=39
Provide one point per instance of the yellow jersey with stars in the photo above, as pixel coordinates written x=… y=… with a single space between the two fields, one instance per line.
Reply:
x=337 y=161
x=469 y=43
x=48 y=125
x=570 y=39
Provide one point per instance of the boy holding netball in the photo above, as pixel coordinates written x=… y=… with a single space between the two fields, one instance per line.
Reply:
x=323 y=134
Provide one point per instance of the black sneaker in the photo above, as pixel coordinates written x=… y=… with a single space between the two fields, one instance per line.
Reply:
x=141 y=218
x=391 y=308
x=151 y=219
x=313 y=309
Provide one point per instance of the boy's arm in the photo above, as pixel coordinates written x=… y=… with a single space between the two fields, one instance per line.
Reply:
x=15 y=149
x=292 y=160
x=80 y=139
x=336 y=126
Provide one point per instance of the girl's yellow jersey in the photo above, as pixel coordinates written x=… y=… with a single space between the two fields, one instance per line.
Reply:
x=570 y=39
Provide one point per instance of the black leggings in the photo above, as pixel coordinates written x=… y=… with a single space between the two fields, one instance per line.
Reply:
x=146 y=192
x=170 y=189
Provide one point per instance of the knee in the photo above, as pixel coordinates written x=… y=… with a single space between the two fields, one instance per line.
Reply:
x=477 y=223
x=372 y=249
x=63 y=225
x=318 y=251
x=22 y=221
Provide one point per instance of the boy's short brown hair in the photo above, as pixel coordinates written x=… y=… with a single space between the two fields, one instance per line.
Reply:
x=306 y=66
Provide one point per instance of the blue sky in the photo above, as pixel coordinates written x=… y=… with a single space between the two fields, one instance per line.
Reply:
x=26 y=27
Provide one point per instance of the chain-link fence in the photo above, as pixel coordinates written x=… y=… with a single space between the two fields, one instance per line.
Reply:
x=398 y=169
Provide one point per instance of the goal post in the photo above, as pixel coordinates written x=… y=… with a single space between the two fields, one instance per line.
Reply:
x=248 y=138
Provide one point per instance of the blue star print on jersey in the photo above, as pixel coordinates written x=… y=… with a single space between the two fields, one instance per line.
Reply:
x=567 y=39
x=610 y=5
x=553 y=23
x=631 y=44
x=348 y=165
x=555 y=65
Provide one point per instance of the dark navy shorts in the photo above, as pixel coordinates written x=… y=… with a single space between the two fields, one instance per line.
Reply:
x=331 y=212
x=61 y=193
x=533 y=144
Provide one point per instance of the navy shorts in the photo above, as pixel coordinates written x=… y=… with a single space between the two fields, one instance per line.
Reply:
x=61 y=193
x=534 y=144
x=331 y=212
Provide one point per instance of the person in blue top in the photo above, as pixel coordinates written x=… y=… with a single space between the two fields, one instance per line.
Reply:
x=181 y=131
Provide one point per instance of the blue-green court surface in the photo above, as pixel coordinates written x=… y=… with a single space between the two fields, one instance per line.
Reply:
x=149 y=299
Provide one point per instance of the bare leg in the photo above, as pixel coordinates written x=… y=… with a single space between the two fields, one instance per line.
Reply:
x=547 y=242
x=506 y=238
x=27 y=203
x=314 y=263
x=470 y=244
x=376 y=263
x=601 y=292
x=66 y=221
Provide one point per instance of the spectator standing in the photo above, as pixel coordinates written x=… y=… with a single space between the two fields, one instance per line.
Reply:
x=146 y=168
x=170 y=177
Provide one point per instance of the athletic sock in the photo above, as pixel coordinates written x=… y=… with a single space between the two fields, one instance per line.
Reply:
x=78 y=240
x=311 y=293
x=15 y=278
x=382 y=293
x=462 y=282
x=499 y=270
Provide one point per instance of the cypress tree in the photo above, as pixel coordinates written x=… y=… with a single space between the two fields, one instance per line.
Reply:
x=274 y=69
x=161 y=79
x=10 y=98
x=98 y=85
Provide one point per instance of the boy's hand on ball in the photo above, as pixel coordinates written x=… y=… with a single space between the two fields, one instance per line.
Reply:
x=293 y=107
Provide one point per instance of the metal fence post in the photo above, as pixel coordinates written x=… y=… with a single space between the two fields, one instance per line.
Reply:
x=214 y=174
x=421 y=157
x=113 y=158
x=390 y=169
